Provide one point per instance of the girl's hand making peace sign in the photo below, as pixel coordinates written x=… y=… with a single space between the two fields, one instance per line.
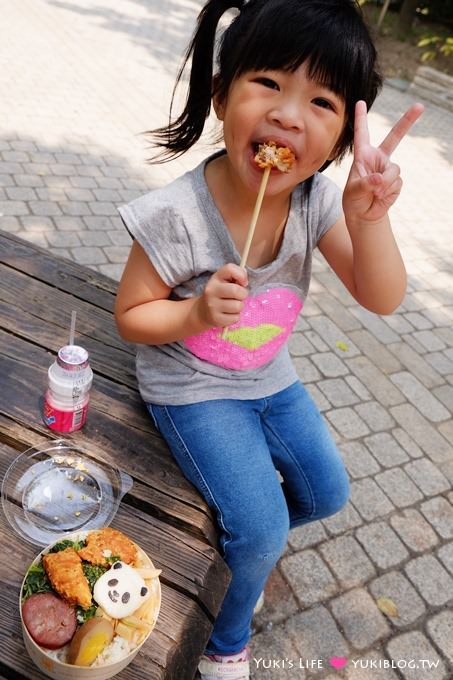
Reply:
x=374 y=182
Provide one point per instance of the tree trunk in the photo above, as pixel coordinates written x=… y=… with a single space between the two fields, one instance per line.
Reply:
x=406 y=17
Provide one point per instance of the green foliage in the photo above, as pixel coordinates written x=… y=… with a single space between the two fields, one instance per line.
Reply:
x=36 y=581
x=437 y=45
x=62 y=545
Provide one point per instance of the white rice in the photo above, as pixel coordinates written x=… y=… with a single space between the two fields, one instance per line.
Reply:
x=115 y=651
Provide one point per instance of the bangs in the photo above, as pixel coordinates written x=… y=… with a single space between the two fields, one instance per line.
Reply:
x=335 y=46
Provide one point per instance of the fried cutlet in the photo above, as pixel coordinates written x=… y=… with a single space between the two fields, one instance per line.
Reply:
x=106 y=543
x=64 y=569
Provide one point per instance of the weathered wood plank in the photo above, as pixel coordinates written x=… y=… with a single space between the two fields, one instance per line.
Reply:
x=63 y=274
x=188 y=564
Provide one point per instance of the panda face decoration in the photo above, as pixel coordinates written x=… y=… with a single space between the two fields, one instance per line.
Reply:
x=120 y=591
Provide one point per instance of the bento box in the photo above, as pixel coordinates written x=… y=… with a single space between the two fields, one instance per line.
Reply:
x=88 y=603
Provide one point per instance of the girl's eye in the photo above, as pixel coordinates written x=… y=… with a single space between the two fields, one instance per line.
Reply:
x=323 y=103
x=267 y=82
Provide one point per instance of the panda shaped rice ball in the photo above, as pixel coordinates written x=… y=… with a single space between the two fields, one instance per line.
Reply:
x=120 y=591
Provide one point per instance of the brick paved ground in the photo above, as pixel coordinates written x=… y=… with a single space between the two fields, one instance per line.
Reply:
x=80 y=81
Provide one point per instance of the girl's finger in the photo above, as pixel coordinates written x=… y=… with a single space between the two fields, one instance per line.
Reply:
x=361 y=133
x=401 y=129
x=391 y=191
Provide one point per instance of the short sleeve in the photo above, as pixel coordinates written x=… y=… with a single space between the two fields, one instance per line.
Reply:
x=329 y=208
x=156 y=223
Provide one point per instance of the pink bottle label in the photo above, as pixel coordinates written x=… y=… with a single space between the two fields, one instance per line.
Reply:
x=64 y=421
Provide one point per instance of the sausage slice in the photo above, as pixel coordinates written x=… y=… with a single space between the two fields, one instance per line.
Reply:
x=50 y=620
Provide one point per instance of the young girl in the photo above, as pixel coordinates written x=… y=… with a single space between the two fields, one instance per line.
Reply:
x=228 y=402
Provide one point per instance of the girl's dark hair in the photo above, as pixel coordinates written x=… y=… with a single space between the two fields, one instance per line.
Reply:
x=330 y=36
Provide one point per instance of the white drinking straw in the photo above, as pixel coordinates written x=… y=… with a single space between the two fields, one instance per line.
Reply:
x=72 y=330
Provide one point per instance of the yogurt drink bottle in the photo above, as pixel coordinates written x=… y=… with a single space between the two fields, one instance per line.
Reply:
x=66 y=400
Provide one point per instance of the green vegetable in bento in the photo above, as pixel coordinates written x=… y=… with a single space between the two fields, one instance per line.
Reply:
x=36 y=581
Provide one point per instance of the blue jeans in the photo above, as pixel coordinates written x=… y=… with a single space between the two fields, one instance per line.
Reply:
x=230 y=450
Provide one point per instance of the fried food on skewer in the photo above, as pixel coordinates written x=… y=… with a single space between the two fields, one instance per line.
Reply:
x=272 y=156
x=64 y=569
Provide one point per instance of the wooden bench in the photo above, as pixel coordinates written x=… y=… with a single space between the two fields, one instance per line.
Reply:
x=162 y=512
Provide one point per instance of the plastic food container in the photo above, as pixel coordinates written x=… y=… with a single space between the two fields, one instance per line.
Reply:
x=58 y=489
x=60 y=670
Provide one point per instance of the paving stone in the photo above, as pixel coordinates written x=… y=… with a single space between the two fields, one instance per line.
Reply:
x=446 y=428
x=424 y=434
x=420 y=397
x=329 y=364
x=88 y=256
x=299 y=345
x=427 y=477
x=36 y=223
x=332 y=334
x=21 y=193
x=382 y=544
x=347 y=561
x=414 y=530
x=412 y=652
x=82 y=182
x=398 y=487
x=67 y=223
x=338 y=392
x=342 y=521
x=9 y=223
x=95 y=238
x=35 y=237
x=76 y=194
x=16 y=208
x=409 y=604
x=416 y=365
x=442 y=316
x=420 y=322
x=376 y=350
x=386 y=450
x=372 y=666
x=6 y=181
x=439 y=513
x=99 y=223
x=316 y=341
x=316 y=636
x=279 y=603
x=318 y=397
x=407 y=443
x=348 y=423
x=430 y=341
x=445 y=554
x=309 y=577
x=114 y=271
x=411 y=342
x=45 y=208
x=440 y=629
x=358 y=461
x=375 y=381
x=76 y=208
x=52 y=194
x=306 y=535
x=65 y=239
x=359 y=618
x=269 y=650
x=358 y=387
x=338 y=314
x=305 y=369
x=437 y=590
x=398 y=323
x=376 y=417
x=369 y=500
x=120 y=238
x=445 y=394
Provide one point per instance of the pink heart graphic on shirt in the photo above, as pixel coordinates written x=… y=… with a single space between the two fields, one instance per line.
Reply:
x=338 y=661
x=265 y=324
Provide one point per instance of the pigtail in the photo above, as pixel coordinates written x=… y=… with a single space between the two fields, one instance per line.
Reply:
x=181 y=134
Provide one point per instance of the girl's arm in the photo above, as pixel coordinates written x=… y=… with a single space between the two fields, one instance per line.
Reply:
x=360 y=247
x=144 y=314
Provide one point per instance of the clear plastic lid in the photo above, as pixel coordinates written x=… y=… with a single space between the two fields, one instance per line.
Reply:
x=52 y=491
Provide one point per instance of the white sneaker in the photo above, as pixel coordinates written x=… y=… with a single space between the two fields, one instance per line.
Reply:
x=259 y=605
x=228 y=667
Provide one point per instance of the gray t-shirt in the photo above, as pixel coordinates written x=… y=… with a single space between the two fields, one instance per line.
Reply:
x=183 y=233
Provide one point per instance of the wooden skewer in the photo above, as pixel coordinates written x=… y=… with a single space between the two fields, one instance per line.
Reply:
x=254 y=220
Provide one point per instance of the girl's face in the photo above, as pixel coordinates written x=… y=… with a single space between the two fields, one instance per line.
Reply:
x=289 y=109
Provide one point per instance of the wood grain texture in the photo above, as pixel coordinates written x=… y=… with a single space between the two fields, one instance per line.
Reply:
x=162 y=511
